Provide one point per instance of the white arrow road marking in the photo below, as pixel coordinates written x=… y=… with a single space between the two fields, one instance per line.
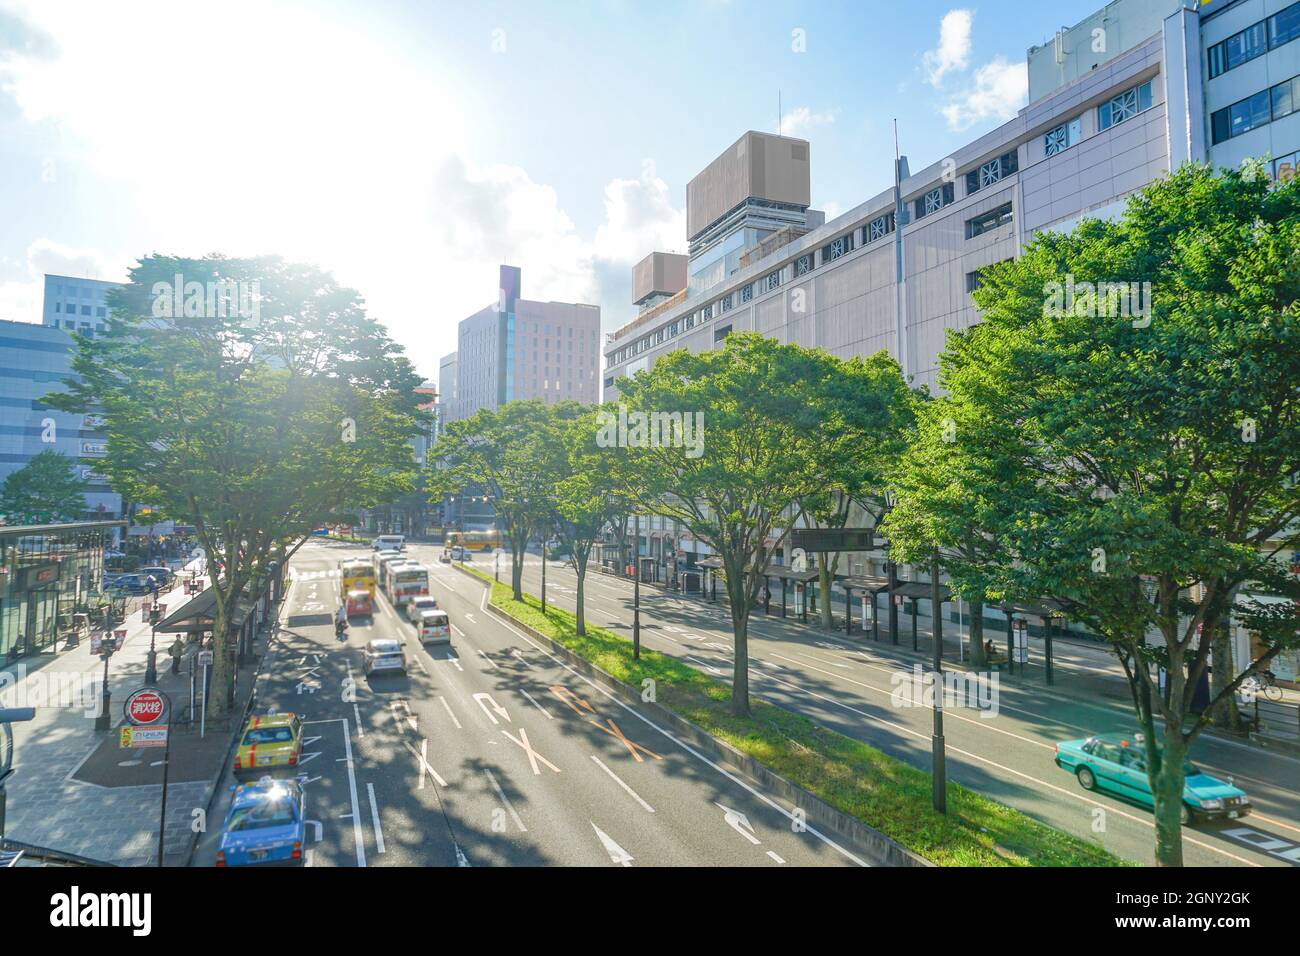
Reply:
x=510 y=807
x=533 y=755
x=519 y=656
x=456 y=663
x=307 y=758
x=449 y=713
x=738 y=822
x=470 y=617
x=616 y=853
x=307 y=741
x=374 y=816
x=305 y=687
x=630 y=792
x=480 y=698
x=535 y=704
x=422 y=759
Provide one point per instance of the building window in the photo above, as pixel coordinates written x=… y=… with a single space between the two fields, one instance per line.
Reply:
x=972 y=281
x=771 y=281
x=721 y=332
x=58 y=306
x=672 y=329
x=1063 y=137
x=1285 y=97
x=880 y=227
x=803 y=265
x=989 y=221
x=725 y=302
x=1237 y=49
x=1124 y=107
x=837 y=248
x=1255 y=111
x=746 y=292
x=85 y=310
x=706 y=313
x=99 y=312
x=1284 y=27
x=934 y=200
x=991 y=172
x=690 y=321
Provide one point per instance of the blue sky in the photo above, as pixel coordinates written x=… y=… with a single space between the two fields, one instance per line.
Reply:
x=410 y=147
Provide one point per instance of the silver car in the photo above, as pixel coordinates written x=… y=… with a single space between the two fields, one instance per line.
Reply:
x=416 y=607
x=384 y=655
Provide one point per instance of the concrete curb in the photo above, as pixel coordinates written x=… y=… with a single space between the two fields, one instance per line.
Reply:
x=882 y=850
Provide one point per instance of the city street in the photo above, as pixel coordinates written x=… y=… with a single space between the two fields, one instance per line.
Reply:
x=493 y=752
x=847 y=684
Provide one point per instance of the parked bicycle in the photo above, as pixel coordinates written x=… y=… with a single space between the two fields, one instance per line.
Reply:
x=1263 y=684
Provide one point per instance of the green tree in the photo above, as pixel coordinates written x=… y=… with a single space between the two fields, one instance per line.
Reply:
x=264 y=406
x=45 y=490
x=1141 y=463
x=762 y=417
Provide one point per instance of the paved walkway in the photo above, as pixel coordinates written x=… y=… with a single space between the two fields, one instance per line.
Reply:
x=116 y=819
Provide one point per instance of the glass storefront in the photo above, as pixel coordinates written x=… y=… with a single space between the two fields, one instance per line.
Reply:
x=48 y=575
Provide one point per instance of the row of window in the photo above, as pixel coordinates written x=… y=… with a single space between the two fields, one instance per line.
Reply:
x=1256 y=40
x=988 y=221
x=1255 y=111
x=992 y=172
x=71 y=309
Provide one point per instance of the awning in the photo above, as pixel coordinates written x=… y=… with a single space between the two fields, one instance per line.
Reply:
x=864 y=582
x=1043 y=607
x=712 y=561
x=789 y=574
x=197 y=614
x=915 y=590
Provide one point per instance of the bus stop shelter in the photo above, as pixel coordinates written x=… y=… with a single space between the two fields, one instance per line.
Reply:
x=868 y=584
x=917 y=591
x=786 y=575
x=1048 y=610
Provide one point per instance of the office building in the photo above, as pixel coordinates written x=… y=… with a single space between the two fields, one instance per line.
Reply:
x=517 y=348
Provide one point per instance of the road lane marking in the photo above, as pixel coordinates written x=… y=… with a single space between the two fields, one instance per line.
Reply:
x=352 y=789
x=536 y=704
x=510 y=807
x=422 y=759
x=374 y=816
x=533 y=756
x=773 y=855
x=630 y=792
x=571 y=700
x=616 y=853
x=484 y=655
x=447 y=706
x=738 y=822
x=632 y=746
x=519 y=656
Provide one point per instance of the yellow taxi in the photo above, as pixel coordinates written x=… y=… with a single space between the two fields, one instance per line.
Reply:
x=269 y=743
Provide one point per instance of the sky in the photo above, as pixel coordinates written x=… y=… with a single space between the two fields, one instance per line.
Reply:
x=412 y=146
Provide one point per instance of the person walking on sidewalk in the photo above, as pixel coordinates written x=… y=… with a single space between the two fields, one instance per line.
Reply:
x=176 y=650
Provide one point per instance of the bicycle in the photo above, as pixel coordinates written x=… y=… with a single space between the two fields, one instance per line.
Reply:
x=1263 y=685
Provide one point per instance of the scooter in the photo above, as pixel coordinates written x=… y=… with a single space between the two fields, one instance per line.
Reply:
x=341 y=629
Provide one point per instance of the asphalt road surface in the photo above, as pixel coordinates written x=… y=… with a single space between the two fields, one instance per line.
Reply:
x=849 y=685
x=494 y=753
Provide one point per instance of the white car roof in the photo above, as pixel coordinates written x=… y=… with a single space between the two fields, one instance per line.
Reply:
x=385 y=645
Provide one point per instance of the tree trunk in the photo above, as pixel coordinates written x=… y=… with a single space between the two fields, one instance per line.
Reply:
x=1167 y=787
x=824 y=586
x=222 y=672
x=580 y=562
x=740 y=630
x=1227 y=715
x=978 y=659
x=517 y=553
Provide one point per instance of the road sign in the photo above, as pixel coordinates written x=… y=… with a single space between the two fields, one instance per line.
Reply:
x=145 y=707
x=143 y=737
x=205 y=658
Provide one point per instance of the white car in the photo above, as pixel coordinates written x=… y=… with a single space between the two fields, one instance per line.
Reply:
x=434 y=628
x=389 y=542
x=384 y=655
x=458 y=553
x=418 y=605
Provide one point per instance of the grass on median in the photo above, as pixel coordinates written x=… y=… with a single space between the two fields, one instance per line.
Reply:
x=892 y=796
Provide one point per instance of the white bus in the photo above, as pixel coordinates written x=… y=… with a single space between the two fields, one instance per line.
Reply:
x=406 y=580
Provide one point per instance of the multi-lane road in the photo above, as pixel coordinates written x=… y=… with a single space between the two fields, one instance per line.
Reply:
x=850 y=685
x=494 y=752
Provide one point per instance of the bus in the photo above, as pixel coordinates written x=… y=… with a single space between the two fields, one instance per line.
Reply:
x=406 y=580
x=357 y=574
x=485 y=541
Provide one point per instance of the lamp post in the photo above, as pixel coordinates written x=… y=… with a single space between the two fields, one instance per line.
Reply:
x=151 y=665
x=545 y=535
x=636 y=588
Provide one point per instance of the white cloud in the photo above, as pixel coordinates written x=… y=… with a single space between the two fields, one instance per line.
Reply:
x=998 y=90
x=953 y=51
x=801 y=119
x=639 y=218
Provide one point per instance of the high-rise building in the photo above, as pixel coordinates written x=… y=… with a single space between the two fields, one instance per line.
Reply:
x=76 y=305
x=521 y=349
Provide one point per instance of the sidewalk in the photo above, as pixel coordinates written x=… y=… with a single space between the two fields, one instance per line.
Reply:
x=73 y=789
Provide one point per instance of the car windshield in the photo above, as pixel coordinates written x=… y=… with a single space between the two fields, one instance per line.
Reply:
x=277 y=811
x=268 y=735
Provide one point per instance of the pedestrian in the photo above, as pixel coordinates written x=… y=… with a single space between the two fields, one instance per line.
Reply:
x=176 y=650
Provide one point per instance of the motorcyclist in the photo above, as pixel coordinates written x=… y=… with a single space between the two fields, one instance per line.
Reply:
x=340 y=621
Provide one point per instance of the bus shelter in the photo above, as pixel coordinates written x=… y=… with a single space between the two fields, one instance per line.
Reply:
x=915 y=592
x=869 y=585
x=1047 y=610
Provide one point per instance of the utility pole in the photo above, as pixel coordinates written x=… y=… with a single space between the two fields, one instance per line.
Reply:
x=636 y=589
x=938 y=768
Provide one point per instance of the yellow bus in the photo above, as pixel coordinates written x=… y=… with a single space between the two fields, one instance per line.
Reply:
x=486 y=541
x=357 y=574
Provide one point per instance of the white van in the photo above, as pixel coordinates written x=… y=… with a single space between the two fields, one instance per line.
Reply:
x=389 y=542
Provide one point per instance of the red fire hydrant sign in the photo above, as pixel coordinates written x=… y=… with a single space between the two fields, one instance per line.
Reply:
x=146 y=707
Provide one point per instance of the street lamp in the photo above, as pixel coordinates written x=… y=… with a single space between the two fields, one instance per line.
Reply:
x=151 y=666
x=891 y=573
